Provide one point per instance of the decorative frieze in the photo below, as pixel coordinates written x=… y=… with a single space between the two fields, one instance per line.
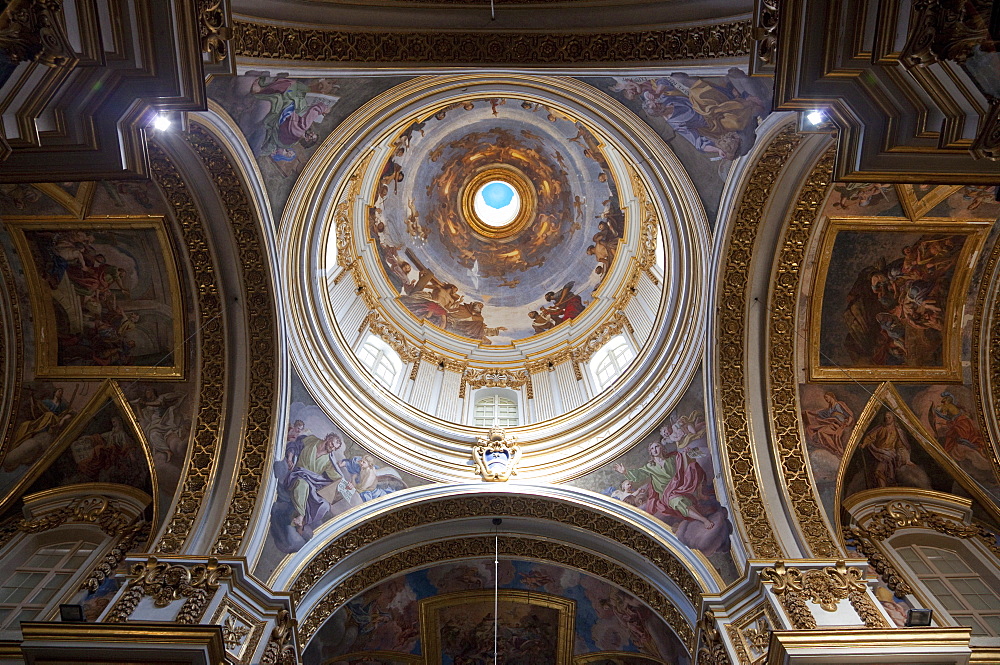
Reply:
x=168 y=582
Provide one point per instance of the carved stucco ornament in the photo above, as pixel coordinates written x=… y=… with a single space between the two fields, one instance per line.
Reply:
x=825 y=587
x=167 y=582
x=947 y=30
x=496 y=455
x=33 y=30
x=711 y=649
x=280 y=649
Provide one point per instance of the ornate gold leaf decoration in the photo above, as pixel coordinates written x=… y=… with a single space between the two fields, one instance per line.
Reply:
x=731 y=333
x=711 y=649
x=378 y=326
x=947 y=30
x=985 y=352
x=129 y=532
x=280 y=649
x=166 y=582
x=201 y=464
x=259 y=306
x=907 y=514
x=595 y=340
x=496 y=378
x=281 y=42
x=33 y=30
x=496 y=455
x=751 y=634
x=213 y=28
x=765 y=35
x=510 y=547
x=858 y=538
x=826 y=587
x=536 y=507
x=785 y=414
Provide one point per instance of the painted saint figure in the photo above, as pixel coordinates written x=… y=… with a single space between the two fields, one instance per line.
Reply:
x=674 y=479
x=889 y=444
x=829 y=426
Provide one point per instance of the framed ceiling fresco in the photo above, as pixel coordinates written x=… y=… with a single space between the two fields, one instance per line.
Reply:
x=532 y=627
x=888 y=298
x=107 y=296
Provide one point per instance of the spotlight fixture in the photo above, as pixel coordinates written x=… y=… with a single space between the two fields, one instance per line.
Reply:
x=71 y=613
x=918 y=618
x=816 y=117
x=161 y=122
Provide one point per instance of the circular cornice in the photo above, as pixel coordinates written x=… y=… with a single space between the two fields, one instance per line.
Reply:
x=556 y=449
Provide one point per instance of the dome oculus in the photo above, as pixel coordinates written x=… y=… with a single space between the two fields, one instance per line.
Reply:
x=496 y=204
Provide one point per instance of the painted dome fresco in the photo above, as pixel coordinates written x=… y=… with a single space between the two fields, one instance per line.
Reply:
x=495 y=219
x=489 y=238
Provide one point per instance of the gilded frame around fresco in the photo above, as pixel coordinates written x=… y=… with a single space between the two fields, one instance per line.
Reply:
x=430 y=614
x=46 y=350
x=950 y=370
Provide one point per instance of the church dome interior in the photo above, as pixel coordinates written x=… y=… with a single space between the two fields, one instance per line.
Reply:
x=520 y=332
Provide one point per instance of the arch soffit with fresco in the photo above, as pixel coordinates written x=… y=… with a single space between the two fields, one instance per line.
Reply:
x=548 y=524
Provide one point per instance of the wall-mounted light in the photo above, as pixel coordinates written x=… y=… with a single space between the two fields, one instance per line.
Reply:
x=161 y=122
x=816 y=118
x=918 y=618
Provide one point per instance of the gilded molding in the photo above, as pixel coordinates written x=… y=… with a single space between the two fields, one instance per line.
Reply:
x=98 y=510
x=241 y=631
x=200 y=466
x=484 y=546
x=214 y=29
x=785 y=414
x=16 y=321
x=343 y=221
x=731 y=333
x=280 y=649
x=698 y=42
x=166 y=582
x=262 y=343
x=711 y=649
x=131 y=540
x=595 y=340
x=985 y=352
x=496 y=378
x=537 y=507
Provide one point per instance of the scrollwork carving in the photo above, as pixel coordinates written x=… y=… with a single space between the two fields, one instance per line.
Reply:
x=711 y=649
x=200 y=467
x=902 y=514
x=987 y=142
x=283 y=42
x=825 y=587
x=33 y=30
x=765 y=34
x=381 y=328
x=947 y=30
x=859 y=539
x=166 y=582
x=496 y=378
x=785 y=414
x=280 y=648
x=213 y=28
x=595 y=340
